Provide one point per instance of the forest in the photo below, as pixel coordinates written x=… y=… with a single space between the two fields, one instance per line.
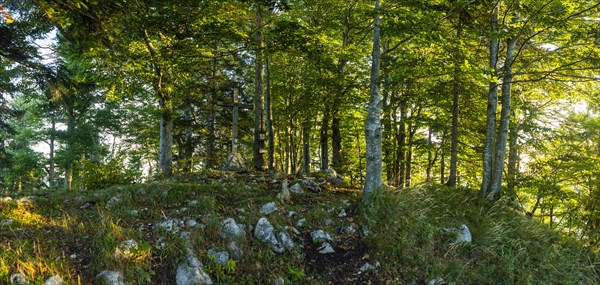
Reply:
x=498 y=98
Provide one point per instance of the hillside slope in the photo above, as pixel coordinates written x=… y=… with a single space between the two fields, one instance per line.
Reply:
x=151 y=233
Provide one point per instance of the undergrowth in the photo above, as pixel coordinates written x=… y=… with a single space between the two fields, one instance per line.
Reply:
x=407 y=235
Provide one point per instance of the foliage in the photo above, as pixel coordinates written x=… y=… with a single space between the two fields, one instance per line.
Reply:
x=102 y=175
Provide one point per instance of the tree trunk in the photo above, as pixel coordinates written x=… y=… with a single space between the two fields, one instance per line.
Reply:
x=306 y=148
x=492 y=106
x=258 y=158
x=455 y=106
x=166 y=135
x=51 y=169
x=210 y=118
x=165 y=155
x=188 y=148
x=409 y=152
x=496 y=183
x=325 y=140
x=513 y=159
x=269 y=117
x=442 y=158
x=401 y=145
x=373 y=119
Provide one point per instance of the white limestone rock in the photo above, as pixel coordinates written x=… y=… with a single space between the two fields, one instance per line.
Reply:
x=190 y=272
x=231 y=230
x=218 y=256
x=268 y=208
x=235 y=251
x=6 y=222
x=326 y=248
x=108 y=277
x=297 y=189
x=264 y=232
x=284 y=195
x=54 y=280
x=124 y=250
x=18 y=279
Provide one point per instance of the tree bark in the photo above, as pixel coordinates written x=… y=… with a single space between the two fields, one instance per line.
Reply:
x=188 y=149
x=258 y=158
x=496 y=183
x=455 y=107
x=165 y=156
x=306 y=148
x=513 y=158
x=492 y=106
x=210 y=118
x=51 y=168
x=269 y=115
x=373 y=119
x=325 y=140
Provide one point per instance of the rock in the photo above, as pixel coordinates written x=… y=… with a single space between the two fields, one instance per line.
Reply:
x=350 y=229
x=134 y=213
x=367 y=267
x=190 y=272
x=291 y=214
x=264 y=233
x=342 y=214
x=328 y=222
x=464 y=235
x=296 y=188
x=6 y=222
x=284 y=195
x=268 y=208
x=193 y=203
x=170 y=225
x=279 y=281
x=285 y=240
x=217 y=256
x=436 y=281
x=346 y=202
x=301 y=223
x=334 y=178
x=18 y=279
x=235 y=250
x=108 y=277
x=311 y=185
x=124 y=250
x=54 y=280
x=320 y=236
x=235 y=162
x=113 y=201
x=326 y=248
x=231 y=230
x=191 y=223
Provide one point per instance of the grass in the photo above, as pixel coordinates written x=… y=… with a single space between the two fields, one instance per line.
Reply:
x=508 y=248
x=77 y=234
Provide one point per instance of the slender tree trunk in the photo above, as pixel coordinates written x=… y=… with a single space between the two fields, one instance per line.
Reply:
x=269 y=116
x=258 y=158
x=492 y=106
x=496 y=183
x=513 y=158
x=401 y=144
x=210 y=118
x=188 y=150
x=430 y=158
x=166 y=135
x=455 y=106
x=409 y=153
x=442 y=157
x=325 y=140
x=51 y=168
x=373 y=120
x=306 y=148
x=336 y=143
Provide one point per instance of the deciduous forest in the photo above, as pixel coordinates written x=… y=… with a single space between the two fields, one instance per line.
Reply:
x=397 y=126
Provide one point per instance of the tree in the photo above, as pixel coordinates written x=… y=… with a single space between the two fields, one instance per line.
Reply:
x=373 y=120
